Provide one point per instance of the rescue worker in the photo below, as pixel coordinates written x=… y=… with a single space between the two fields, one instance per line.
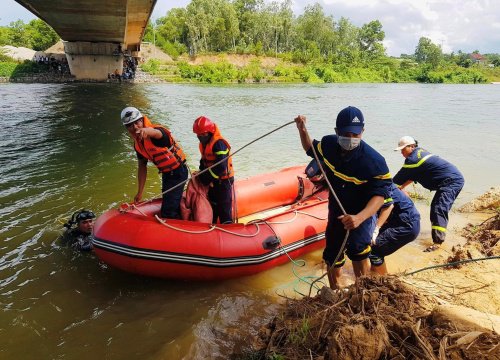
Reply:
x=155 y=143
x=435 y=174
x=361 y=180
x=398 y=223
x=79 y=237
x=214 y=148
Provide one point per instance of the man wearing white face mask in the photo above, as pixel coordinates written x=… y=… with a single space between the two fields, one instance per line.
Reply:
x=360 y=177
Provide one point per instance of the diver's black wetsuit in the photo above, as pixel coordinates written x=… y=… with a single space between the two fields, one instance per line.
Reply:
x=77 y=239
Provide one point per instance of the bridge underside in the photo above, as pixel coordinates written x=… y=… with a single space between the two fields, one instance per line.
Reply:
x=96 y=32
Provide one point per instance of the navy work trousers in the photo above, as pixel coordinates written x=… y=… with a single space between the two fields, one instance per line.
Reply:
x=171 y=204
x=220 y=196
x=440 y=206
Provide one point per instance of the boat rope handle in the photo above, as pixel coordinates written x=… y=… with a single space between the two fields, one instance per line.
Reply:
x=210 y=167
x=130 y=207
x=311 y=215
x=256 y=223
x=212 y=228
x=163 y=222
x=296 y=212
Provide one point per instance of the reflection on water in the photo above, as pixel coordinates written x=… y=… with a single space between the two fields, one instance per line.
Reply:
x=64 y=148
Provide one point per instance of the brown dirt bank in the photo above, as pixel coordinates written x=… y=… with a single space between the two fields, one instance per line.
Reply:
x=441 y=313
x=237 y=60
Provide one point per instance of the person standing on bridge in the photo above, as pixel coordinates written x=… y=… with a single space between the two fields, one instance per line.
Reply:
x=155 y=143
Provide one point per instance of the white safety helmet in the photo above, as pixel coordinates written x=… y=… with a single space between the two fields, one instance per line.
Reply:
x=404 y=142
x=130 y=114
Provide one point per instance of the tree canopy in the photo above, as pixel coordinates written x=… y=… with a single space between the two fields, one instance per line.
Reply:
x=255 y=26
x=36 y=35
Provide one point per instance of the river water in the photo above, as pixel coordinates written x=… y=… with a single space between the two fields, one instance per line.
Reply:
x=63 y=148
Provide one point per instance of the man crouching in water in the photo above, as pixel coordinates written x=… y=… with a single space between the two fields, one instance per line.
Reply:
x=79 y=237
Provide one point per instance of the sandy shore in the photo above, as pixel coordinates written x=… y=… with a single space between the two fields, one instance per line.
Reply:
x=447 y=312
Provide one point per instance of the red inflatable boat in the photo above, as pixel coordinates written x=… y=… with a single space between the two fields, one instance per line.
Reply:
x=281 y=215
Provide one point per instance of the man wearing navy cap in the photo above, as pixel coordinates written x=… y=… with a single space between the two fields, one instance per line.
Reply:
x=361 y=180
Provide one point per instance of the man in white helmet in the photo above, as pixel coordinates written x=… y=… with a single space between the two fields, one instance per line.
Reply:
x=435 y=174
x=155 y=143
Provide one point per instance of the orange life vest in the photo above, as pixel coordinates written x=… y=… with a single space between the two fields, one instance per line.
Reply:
x=209 y=157
x=165 y=159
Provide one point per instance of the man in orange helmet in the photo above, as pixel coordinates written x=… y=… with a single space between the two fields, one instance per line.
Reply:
x=155 y=143
x=214 y=149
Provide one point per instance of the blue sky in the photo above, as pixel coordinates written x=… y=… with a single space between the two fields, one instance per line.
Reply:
x=465 y=25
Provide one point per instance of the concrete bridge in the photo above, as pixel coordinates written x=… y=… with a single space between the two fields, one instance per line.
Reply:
x=97 y=34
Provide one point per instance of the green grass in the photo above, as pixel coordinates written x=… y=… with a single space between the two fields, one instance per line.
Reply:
x=288 y=72
x=13 y=69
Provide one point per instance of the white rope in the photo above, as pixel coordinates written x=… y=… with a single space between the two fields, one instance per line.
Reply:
x=212 y=228
x=255 y=222
x=131 y=206
x=313 y=216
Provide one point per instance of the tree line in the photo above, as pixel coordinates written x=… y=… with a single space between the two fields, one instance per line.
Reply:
x=257 y=27
x=36 y=35
x=323 y=48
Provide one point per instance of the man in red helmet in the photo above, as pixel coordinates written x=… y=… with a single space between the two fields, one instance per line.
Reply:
x=155 y=143
x=214 y=149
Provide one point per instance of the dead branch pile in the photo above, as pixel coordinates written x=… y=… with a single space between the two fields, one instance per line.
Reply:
x=377 y=318
x=482 y=240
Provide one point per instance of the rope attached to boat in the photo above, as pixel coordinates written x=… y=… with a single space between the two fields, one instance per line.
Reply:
x=210 y=167
x=213 y=227
x=131 y=207
x=305 y=279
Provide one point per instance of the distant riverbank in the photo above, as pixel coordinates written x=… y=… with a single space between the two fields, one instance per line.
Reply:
x=232 y=68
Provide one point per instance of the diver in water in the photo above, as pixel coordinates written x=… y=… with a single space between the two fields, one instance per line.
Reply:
x=79 y=236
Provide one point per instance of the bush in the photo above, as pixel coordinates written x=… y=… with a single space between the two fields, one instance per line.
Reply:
x=4 y=57
x=220 y=72
x=152 y=66
x=7 y=68
x=254 y=71
x=15 y=69
x=309 y=75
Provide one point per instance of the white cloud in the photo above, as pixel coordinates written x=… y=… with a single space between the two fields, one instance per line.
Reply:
x=465 y=25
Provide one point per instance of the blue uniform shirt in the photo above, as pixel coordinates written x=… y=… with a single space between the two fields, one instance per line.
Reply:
x=404 y=211
x=429 y=170
x=355 y=177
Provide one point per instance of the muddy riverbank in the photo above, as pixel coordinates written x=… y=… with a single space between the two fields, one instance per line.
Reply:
x=442 y=312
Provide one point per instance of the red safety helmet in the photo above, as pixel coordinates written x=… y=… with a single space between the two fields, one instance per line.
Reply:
x=203 y=125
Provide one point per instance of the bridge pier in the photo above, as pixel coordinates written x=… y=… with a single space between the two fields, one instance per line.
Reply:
x=93 y=60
